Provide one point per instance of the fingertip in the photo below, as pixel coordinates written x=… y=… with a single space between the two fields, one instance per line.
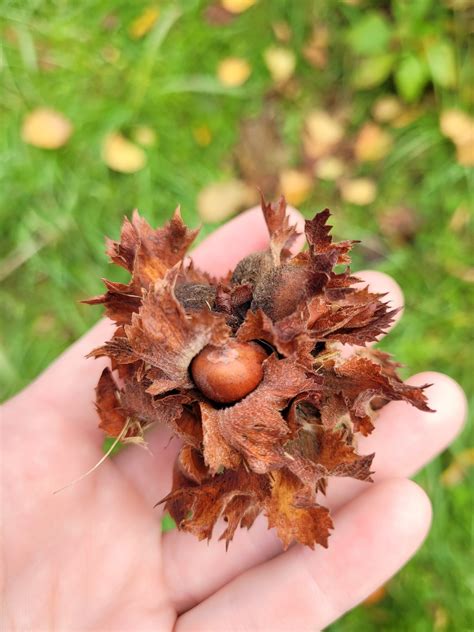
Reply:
x=414 y=505
x=447 y=399
x=381 y=283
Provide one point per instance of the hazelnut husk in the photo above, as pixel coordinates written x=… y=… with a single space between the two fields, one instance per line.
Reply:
x=247 y=370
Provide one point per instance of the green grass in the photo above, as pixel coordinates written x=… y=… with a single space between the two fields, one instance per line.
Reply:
x=56 y=206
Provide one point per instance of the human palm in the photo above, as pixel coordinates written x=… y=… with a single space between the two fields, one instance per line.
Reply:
x=92 y=556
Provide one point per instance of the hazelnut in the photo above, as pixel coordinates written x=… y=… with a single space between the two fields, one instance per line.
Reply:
x=227 y=374
x=280 y=290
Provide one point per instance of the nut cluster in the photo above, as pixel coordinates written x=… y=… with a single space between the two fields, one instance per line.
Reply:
x=247 y=371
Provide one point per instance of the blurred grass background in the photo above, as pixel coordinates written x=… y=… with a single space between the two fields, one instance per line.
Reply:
x=151 y=74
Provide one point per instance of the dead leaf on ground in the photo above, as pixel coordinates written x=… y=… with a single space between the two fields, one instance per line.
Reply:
x=387 y=108
x=220 y=200
x=238 y=6
x=280 y=62
x=375 y=597
x=233 y=71
x=144 y=135
x=360 y=191
x=400 y=223
x=407 y=116
x=282 y=31
x=322 y=133
x=122 y=155
x=372 y=143
x=46 y=128
x=316 y=49
x=144 y=22
x=202 y=135
x=458 y=126
x=330 y=168
x=216 y=15
x=457 y=469
x=460 y=219
x=260 y=154
x=295 y=185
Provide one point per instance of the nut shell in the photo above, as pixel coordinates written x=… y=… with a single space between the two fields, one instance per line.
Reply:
x=227 y=374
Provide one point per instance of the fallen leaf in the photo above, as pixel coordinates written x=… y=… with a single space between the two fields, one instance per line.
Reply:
x=400 y=224
x=387 y=108
x=233 y=71
x=407 y=116
x=46 y=128
x=282 y=31
x=219 y=200
x=360 y=191
x=144 y=22
x=460 y=219
x=111 y=54
x=295 y=185
x=260 y=153
x=322 y=133
x=202 y=135
x=144 y=135
x=458 y=126
x=330 y=168
x=465 y=154
x=315 y=50
x=375 y=597
x=119 y=154
x=216 y=15
x=457 y=469
x=372 y=143
x=237 y=6
x=280 y=62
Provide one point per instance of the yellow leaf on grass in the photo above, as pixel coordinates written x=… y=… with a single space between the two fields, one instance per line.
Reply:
x=282 y=31
x=46 y=128
x=375 y=597
x=280 y=62
x=330 y=168
x=295 y=185
x=360 y=191
x=144 y=135
x=122 y=155
x=387 y=109
x=233 y=71
x=220 y=200
x=322 y=133
x=144 y=22
x=237 y=6
x=202 y=135
x=458 y=126
x=316 y=49
x=372 y=143
x=456 y=471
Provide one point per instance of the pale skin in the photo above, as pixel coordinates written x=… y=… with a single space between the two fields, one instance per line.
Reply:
x=92 y=556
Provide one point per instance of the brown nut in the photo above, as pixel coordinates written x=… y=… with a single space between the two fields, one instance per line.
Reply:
x=227 y=374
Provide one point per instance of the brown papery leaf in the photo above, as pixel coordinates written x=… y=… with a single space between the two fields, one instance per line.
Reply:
x=165 y=337
x=307 y=525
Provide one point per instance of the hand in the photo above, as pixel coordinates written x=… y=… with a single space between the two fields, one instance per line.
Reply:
x=92 y=557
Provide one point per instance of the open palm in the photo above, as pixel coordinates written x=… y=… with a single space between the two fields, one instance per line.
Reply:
x=92 y=557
